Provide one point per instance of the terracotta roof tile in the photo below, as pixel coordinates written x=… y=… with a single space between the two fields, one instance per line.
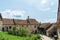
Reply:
x=18 y=21
x=45 y=25
x=7 y=21
x=33 y=21
x=52 y=27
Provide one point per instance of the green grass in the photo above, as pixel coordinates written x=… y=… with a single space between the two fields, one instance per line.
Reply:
x=7 y=36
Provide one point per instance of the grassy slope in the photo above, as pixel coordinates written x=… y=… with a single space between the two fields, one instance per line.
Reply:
x=12 y=37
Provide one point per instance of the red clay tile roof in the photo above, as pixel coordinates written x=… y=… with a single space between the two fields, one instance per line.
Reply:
x=33 y=21
x=45 y=25
x=52 y=27
x=7 y=21
x=18 y=21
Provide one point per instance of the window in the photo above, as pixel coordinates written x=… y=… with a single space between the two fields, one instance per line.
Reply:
x=2 y=28
x=10 y=27
x=22 y=26
x=35 y=26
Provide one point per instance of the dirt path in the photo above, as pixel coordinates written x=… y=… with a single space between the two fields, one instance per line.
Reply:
x=45 y=37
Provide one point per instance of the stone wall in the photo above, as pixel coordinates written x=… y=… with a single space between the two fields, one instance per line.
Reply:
x=1 y=25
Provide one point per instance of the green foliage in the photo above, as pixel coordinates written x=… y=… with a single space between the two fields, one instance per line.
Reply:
x=6 y=36
x=23 y=32
x=18 y=31
x=14 y=28
x=34 y=37
x=2 y=38
x=9 y=31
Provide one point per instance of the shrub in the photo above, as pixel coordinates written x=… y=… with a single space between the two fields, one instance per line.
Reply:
x=10 y=31
x=18 y=31
x=23 y=32
x=38 y=36
x=35 y=37
x=14 y=28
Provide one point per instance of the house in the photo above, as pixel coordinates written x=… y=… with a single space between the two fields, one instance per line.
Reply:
x=47 y=29
x=43 y=27
x=52 y=30
x=30 y=23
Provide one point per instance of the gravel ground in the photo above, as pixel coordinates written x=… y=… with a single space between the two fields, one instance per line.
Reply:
x=45 y=37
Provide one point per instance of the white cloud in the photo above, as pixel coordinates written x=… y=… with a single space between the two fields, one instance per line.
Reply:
x=12 y=13
x=43 y=2
x=50 y=21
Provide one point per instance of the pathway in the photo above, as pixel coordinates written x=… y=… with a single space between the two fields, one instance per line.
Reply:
x=45 y=37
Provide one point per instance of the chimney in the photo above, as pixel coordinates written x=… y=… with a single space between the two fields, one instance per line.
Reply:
x=28 y=19
x=14 y=22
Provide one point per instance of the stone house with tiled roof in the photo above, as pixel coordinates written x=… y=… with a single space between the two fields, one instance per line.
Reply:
x=30 y=23
x=48 y=29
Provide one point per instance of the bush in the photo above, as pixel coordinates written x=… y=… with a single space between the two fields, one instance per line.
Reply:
x=23 y=32
x=10 y=31
x=14 y=28
x=35 y=37
x=18 y=31
x=38 y=36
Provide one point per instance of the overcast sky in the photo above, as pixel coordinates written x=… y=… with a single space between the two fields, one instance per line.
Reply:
x=41 y=10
